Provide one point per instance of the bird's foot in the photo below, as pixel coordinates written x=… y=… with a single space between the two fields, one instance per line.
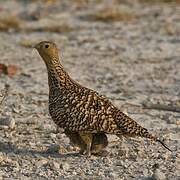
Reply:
x=81 y=152
x=88 y=154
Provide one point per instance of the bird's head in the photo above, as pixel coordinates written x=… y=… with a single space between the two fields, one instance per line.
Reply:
x=47 y=50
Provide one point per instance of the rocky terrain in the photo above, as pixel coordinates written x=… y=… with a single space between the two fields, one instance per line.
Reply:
x=126 y=50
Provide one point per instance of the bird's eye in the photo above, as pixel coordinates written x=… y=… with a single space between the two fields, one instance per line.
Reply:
x=46 y=46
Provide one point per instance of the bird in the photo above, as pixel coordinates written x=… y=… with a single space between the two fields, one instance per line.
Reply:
x=81 y=110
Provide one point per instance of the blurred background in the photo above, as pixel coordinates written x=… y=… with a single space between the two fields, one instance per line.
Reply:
x=128 y=50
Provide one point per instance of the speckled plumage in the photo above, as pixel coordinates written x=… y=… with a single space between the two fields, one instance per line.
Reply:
x=79 y=109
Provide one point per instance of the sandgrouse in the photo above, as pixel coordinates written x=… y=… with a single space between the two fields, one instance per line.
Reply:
x=82 y=112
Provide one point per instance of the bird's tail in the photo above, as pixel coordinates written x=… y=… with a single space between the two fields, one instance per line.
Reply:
x=131 y=128
x=144 y=133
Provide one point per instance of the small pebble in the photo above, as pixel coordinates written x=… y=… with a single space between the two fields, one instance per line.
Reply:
x=1 y=157
x=158 y=175
x=41 y=163
x=12 y=124
x=7 y=121
x=54 y=148
x=53 y=136
x=178 y=122
x=54 y=165
x=65 y=166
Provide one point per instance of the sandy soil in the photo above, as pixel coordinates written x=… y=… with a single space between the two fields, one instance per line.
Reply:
x=132 y=57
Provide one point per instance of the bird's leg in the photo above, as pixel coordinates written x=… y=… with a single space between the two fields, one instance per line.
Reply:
x=76 y=140
x=87 y=138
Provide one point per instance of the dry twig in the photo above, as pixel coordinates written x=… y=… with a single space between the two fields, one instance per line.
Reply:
x=162 y=107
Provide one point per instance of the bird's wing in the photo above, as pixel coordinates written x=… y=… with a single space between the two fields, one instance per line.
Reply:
x=83 y=109
x=91 y=112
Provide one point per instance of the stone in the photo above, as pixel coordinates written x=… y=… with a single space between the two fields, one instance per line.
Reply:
x=65 y=166
x=7 y=121
x=41 y=163
x=158 y=175
x=54 y=165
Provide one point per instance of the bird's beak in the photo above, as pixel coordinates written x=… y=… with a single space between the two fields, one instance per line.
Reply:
x=36 y=46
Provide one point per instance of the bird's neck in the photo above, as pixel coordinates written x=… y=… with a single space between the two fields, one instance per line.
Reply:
x=57 y=76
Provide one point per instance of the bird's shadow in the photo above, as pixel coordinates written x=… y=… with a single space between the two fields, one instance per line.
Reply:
x=9 y=148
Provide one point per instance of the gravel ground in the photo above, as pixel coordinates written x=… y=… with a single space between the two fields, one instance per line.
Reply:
x=133 y=58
